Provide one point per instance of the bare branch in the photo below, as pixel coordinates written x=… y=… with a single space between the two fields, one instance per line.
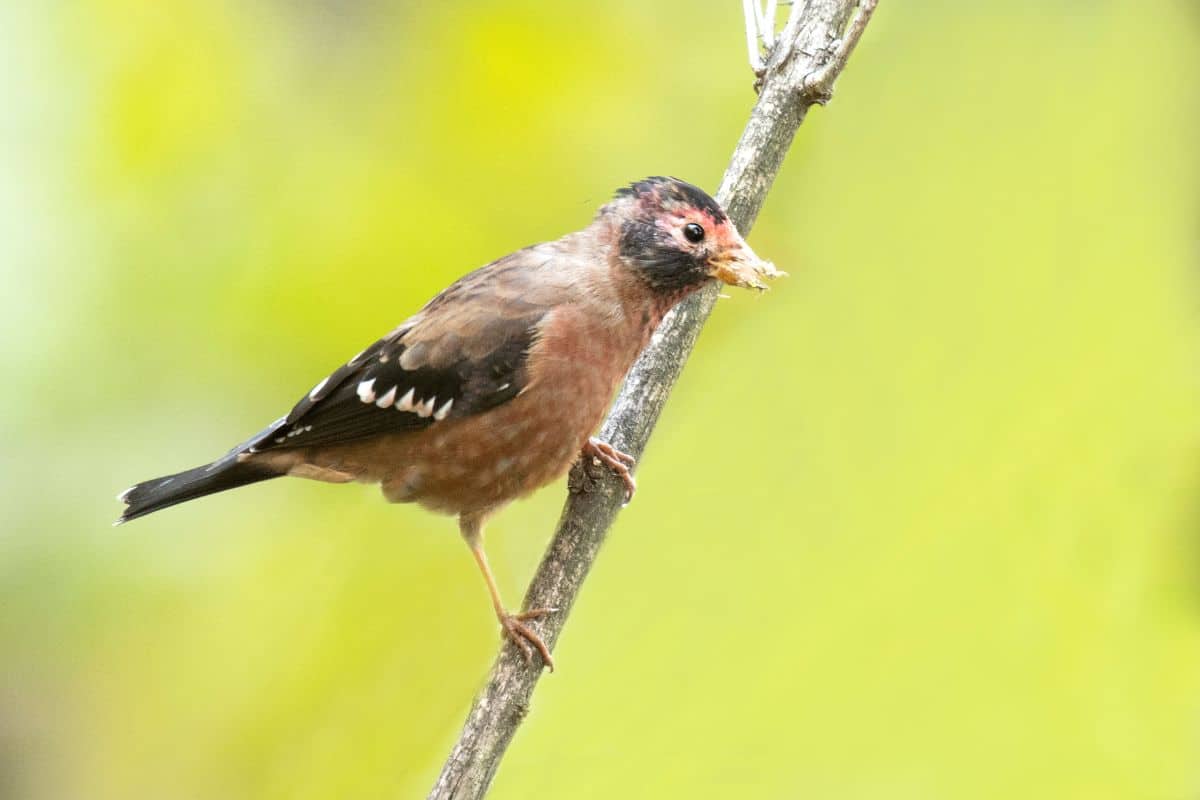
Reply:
x=760 y=30
x=819 y=83
x=799 y=71
x=765 y=18
x=753 y=14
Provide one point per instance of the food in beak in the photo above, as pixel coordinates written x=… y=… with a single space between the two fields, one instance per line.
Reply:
x=739 y=266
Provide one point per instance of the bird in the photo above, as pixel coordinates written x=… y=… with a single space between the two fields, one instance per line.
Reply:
x=496 y=386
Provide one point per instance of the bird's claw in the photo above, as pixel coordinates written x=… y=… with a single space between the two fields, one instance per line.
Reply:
x=620 y=463
x=524 y=637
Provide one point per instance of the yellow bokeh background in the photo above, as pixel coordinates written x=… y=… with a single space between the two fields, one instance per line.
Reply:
x=920 y=523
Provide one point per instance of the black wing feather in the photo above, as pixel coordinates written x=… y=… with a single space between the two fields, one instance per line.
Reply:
x=344 y=407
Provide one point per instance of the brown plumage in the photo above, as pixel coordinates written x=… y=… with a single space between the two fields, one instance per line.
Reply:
x=495 y=387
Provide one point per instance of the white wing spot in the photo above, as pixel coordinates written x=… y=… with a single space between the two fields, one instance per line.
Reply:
x=317 y=389
x=425 y=409
x=366 y=391
x=387 y=399
x=503 y=386
x=406 y=403
x=444 y=410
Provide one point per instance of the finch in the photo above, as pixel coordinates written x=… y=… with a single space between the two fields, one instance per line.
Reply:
x=495 y=387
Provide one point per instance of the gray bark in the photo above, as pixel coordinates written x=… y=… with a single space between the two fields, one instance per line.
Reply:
x=800 y=70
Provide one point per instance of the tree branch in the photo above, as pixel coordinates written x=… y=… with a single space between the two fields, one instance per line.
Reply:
x=799 y=71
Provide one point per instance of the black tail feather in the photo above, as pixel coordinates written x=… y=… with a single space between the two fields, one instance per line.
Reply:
x=159 y=493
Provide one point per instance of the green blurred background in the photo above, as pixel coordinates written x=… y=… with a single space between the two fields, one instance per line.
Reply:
x=921 y=523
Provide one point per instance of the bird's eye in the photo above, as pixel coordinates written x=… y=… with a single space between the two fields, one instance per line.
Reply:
x=693 y=233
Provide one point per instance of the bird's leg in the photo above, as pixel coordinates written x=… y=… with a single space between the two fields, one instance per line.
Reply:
x=524 y=637
x=620 y=463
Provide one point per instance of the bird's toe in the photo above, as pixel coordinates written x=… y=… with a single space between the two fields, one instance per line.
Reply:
x=620 y=463
x=525 y=638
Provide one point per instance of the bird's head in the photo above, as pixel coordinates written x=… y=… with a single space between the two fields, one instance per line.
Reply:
x=675 y=237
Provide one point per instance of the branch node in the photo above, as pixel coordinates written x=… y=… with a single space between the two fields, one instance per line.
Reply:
x=816 y=88
x=579 y=480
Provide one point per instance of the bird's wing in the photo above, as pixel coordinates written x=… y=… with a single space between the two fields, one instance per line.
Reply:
x=465 y=352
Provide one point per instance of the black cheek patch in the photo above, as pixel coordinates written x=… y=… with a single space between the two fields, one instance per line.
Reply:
x=657 y=258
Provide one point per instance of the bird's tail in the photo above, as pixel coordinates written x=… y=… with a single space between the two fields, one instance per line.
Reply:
x=159 y=493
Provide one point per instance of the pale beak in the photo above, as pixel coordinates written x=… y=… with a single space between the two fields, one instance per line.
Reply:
x=737 y=265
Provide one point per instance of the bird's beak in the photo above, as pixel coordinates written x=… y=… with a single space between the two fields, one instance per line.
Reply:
x=737 y=265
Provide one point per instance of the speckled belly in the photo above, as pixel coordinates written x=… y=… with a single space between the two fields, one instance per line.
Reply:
x=484 y=462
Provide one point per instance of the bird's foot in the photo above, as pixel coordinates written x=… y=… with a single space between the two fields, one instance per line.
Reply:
x=620 y=463
x=524 y=637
